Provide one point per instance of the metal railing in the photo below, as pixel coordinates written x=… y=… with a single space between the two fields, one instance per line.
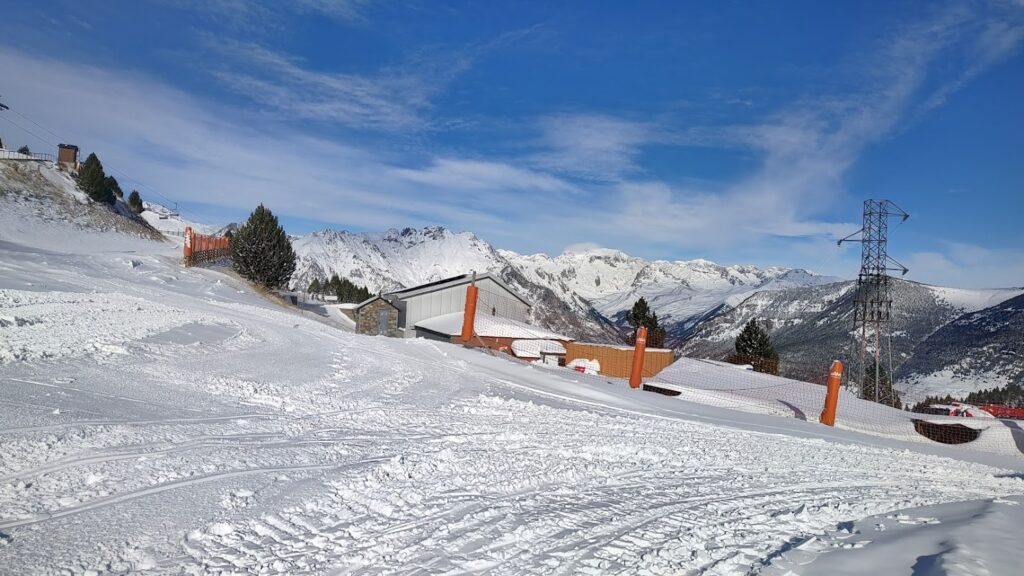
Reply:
x=15 y=155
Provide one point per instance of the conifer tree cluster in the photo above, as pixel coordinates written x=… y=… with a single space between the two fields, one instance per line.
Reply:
x=642 y=315
x=261 y=250
x=754 y=347
x=95 y=183
x=24 y=150
x=344 y=289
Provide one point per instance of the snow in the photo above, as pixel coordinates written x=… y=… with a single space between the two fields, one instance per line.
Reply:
x=536 y=348
x=591 y=367
x=726 y=385
x=487 y=326
x=966 y=538
x=947 y=381
x=170 y=420
x=608 y=280
x=170 y=222
x=974 y=300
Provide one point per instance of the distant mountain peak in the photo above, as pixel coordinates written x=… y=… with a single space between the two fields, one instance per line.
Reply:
x=587 y=286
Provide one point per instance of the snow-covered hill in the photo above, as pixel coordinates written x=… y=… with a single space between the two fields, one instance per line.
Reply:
x=166 y=420
x=586 y=291
x=38 y=191
x=810 y=326
x=981 y=349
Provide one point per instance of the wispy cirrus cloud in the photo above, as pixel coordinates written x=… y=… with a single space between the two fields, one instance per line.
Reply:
x=478 y=176
x=255 y=16
x=592 y=146
x=394 y=97
x=391 y=99
x=805 y=151
x=969 y=266
x=215 y=157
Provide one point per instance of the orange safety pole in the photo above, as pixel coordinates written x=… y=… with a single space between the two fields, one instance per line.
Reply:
x=470 y=315
x=188 y=243
x=835 y=378
x=638 y=358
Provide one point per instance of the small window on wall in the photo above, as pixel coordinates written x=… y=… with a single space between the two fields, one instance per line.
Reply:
x=494 y=311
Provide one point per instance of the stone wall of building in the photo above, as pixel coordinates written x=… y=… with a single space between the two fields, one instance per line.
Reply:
x=366 y=318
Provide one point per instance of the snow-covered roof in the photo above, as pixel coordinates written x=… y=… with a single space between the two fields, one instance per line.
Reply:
x=536 y=348
x=488 y=327
x=453 y=281
x=372 y=298
x=347 y=305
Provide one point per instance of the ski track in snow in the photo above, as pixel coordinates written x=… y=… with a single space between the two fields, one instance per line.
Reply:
x=165 y=420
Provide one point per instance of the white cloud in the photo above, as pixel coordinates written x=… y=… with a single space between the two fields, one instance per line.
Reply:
x=196 y=152
x=583 y=179
x=591 y=146
x=806 y=150
x=483 y=177
x=968 y=266
x=392 y=99
x=264 y=16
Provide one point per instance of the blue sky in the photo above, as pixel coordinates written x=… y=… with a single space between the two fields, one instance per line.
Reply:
x=742 y=132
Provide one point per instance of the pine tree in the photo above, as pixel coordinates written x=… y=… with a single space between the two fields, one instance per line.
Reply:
x=24 y=150
x=135 y=202
x=93 y=181
x=262 y=251
x=642 y=315
x=114 y=187
x=314 y=286
x=754 y=346
x=638 y=315
x=883 y=393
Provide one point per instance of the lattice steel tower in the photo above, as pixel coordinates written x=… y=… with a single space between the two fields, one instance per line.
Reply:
x=872 y=311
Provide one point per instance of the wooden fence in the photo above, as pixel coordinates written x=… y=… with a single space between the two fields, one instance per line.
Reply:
x=202 y=248
x=616 y=361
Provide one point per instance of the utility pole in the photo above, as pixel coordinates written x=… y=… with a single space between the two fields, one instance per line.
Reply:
x=872 y=312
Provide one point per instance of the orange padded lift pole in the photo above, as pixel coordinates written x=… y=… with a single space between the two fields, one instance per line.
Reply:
x=638 y=358
x=470 y=316
x=835 y=378
x=188 y=242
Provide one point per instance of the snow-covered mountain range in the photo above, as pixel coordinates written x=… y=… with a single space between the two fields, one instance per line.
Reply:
x=582 y=292
x=586 y=293
x=981 y=349
x=810 y=327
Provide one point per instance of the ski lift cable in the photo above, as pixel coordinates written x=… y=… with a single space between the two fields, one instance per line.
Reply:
x=33 y=134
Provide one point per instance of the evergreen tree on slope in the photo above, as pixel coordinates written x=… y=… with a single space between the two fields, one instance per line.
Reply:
x=262 y=251
x=114 y=187
x=94 y=182
x=642 y=315
x=135 y=202
x=754 y=346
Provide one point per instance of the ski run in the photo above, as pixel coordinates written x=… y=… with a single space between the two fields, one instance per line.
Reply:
x=157 y=419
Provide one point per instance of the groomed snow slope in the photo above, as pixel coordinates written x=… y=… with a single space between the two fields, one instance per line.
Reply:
x=729 y=386
x=163 y=420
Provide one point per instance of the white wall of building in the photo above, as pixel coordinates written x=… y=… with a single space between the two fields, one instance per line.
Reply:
x=453 y=299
